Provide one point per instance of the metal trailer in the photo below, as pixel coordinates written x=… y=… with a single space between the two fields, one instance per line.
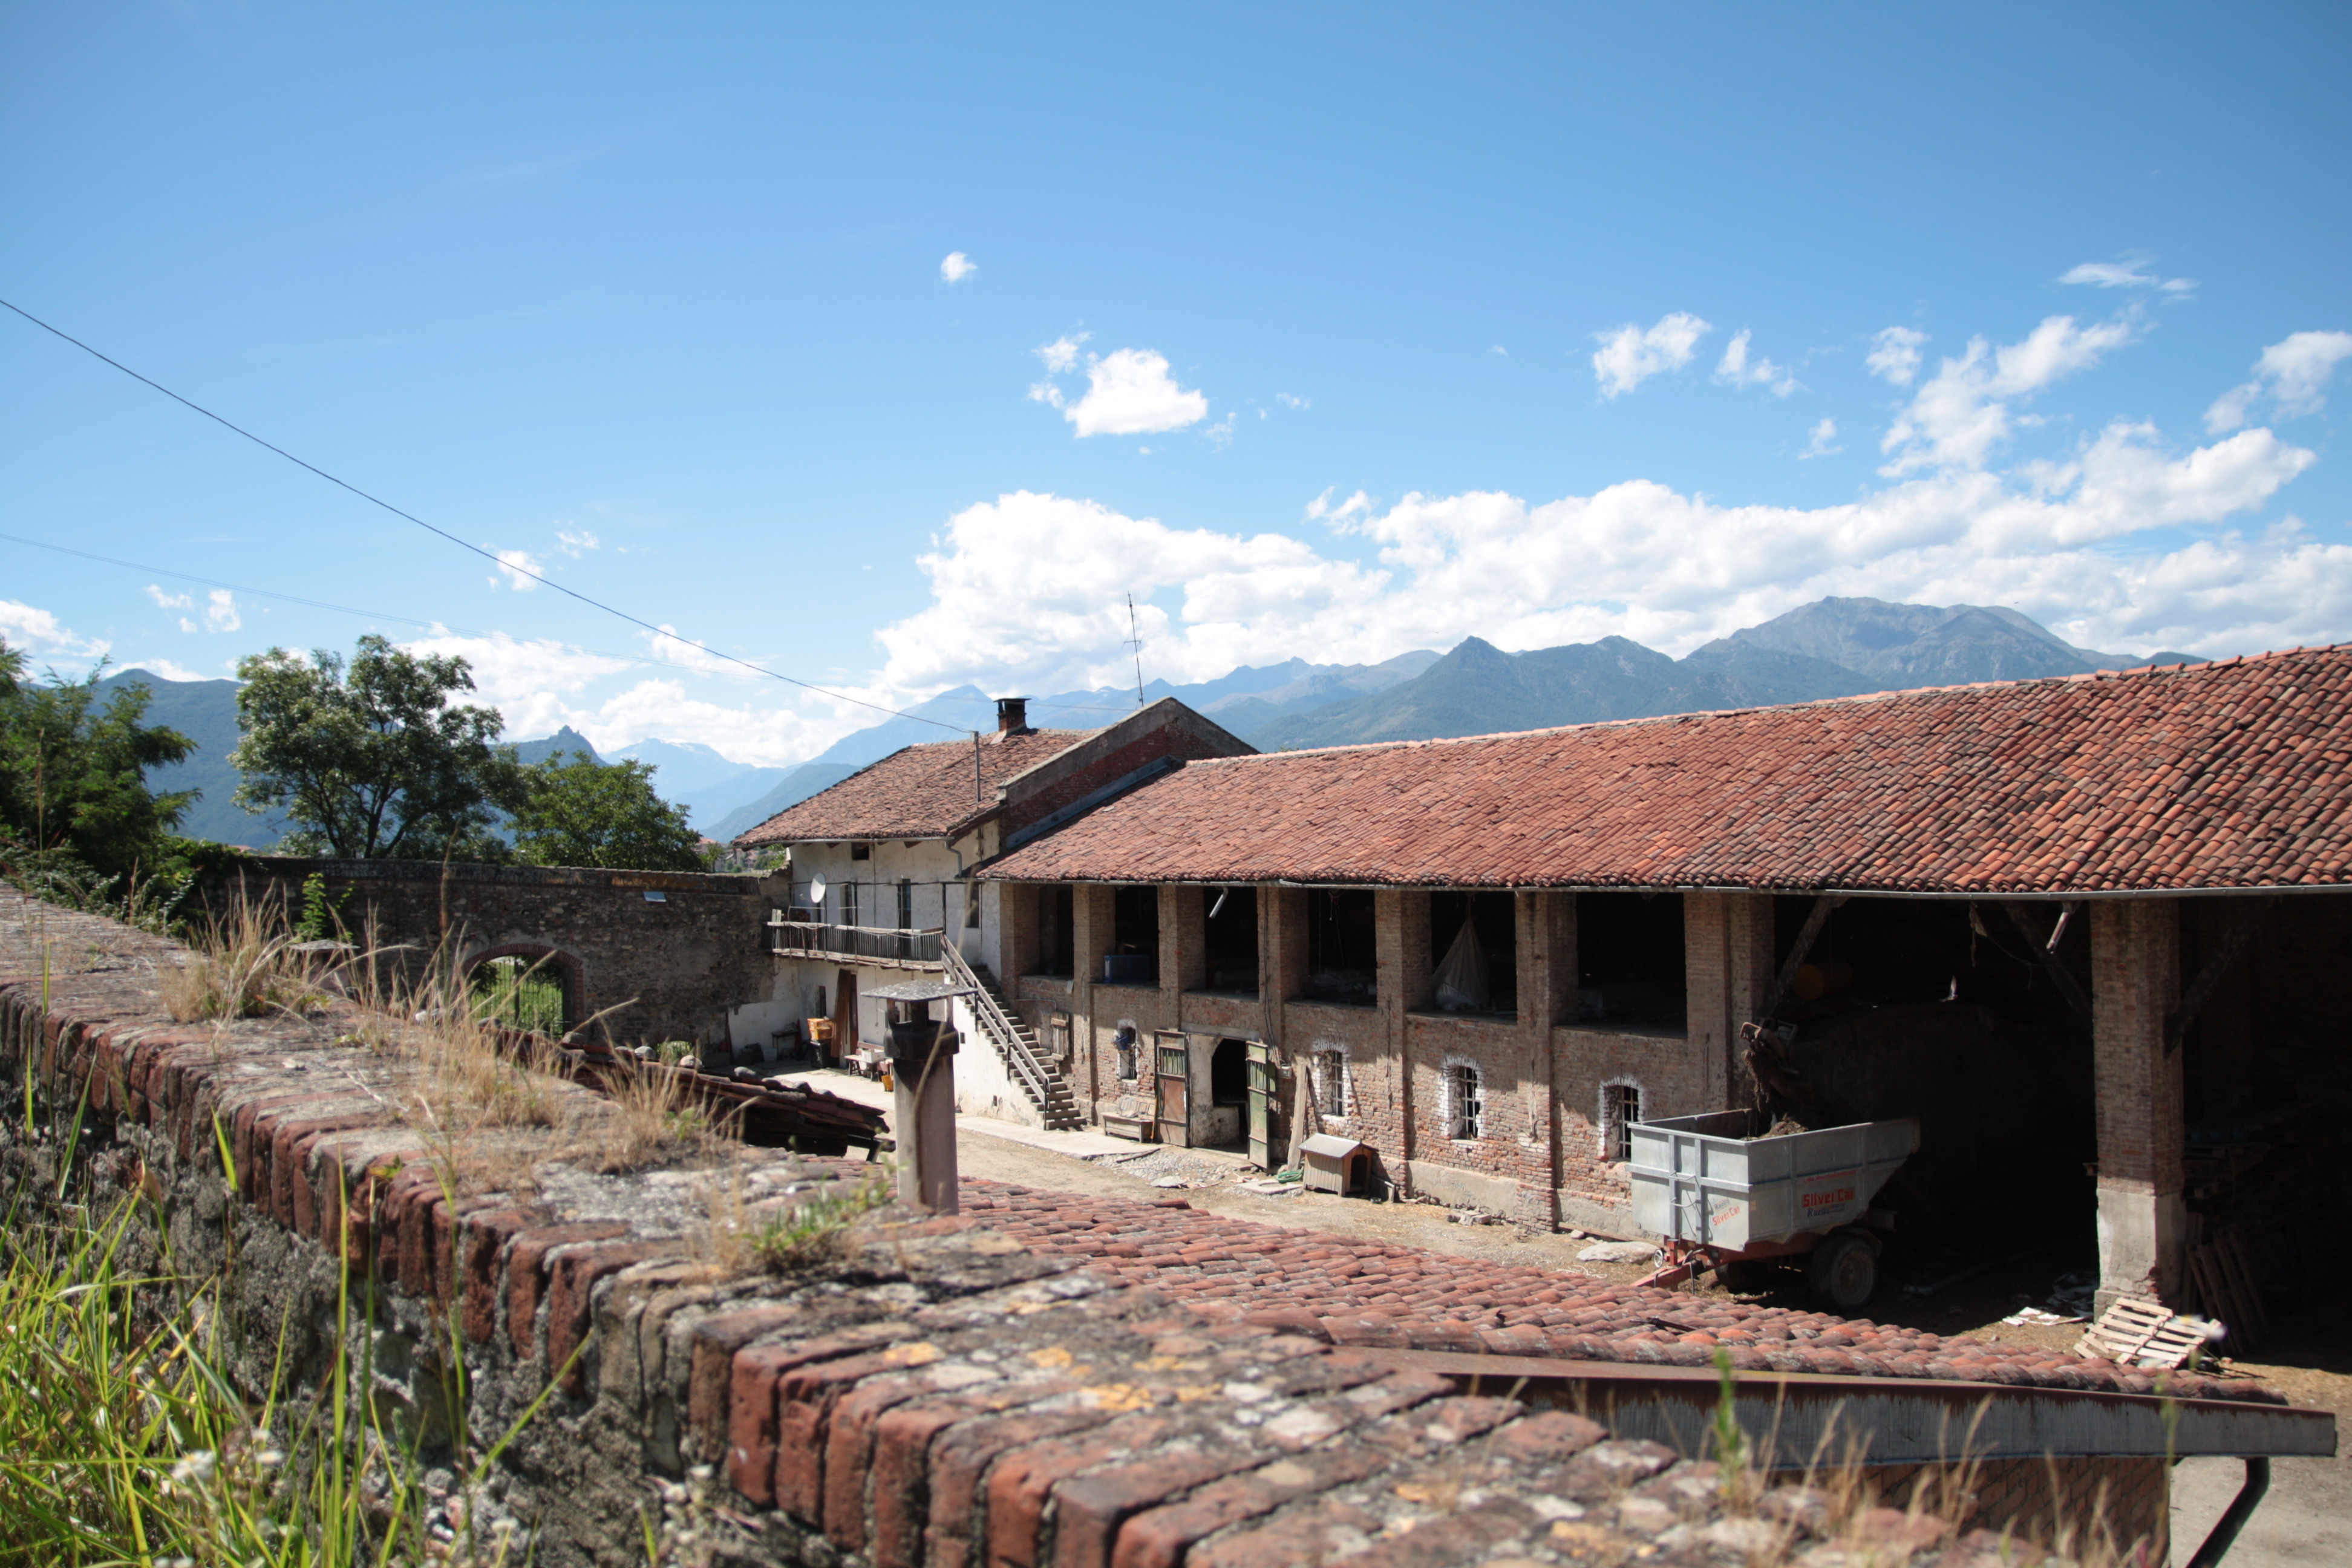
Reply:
x=1721 y=1198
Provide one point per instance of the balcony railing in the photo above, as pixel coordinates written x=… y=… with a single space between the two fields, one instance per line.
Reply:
x=858 y=945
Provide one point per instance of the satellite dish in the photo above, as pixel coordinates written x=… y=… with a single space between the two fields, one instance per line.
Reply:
x=816 y=891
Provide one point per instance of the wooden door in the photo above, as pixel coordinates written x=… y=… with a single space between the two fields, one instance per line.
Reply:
x=1262 y=1091
x=1173 y=1063
x=845 y=1014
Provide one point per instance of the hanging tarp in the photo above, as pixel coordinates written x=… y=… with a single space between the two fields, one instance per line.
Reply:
x=1461 y=977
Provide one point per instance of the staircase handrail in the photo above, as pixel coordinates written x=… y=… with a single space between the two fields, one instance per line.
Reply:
x=998 y=1025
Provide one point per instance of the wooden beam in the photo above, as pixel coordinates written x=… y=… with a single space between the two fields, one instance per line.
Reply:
x=1814 y=920
x=2020 y=914
x=2217 y=965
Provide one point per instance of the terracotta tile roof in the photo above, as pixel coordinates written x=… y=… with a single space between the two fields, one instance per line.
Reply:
x=1357 y=1292
x=2226 y=775
x=920 y=792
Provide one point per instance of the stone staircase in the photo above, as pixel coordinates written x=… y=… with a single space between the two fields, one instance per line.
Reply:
x=1017 y=1043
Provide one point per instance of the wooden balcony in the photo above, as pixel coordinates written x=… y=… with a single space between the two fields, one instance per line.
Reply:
x=875 y=947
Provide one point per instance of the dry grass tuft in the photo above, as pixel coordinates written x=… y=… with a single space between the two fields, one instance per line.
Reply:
x=655 y=1118
x=242 y=966
x=819 y=1226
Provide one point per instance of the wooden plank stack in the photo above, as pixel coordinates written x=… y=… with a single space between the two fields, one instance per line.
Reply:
x=2222 y=1280
x=2136 y=1332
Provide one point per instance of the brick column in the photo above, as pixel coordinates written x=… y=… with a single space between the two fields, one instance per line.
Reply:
x=2134 y=983
x=1281 y=951
x=1091 y=922
x=1183 y=943
x=1401 y=942
x=1017 y=952
x=1726 y=971
x=1546 y=925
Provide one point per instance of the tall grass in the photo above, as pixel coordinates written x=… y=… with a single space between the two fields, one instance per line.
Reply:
x=122 y=1440
x=242 y=965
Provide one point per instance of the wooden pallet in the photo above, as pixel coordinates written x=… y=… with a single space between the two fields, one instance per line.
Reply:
x=2223 y=1283
x=2136 y=1332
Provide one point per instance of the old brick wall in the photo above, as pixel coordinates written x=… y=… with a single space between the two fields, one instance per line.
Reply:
x=670 y=965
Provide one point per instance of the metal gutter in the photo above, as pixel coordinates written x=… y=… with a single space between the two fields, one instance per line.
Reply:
x=1800 y=1419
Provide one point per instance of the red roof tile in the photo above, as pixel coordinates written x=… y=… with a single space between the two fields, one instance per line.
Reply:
x=921 y=792
x=1356 y=1291
x=2227 y=776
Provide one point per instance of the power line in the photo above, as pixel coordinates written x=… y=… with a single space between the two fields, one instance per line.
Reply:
x=318 y=604
x=490 y=555
x=152 y=569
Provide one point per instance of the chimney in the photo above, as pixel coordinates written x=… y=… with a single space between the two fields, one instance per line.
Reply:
x=1013 y=716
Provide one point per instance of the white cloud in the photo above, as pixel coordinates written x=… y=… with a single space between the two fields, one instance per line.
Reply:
x=221 y=613
x=1895 y=354
x=168 y=601
x=1733 y=369
x=1131 y=392
x=1061 y=356
x=1499 y=349
x=1961 y=414
x=671 y=648
x=957 y=267
x=576 y=545
x=2294 y=372
x=1221 y=432
x=165 y=669
x=520 y=568
x=1819 y=444
x=34 y=630
x=1290 y=401
x=1629 y=355
x=2076 y=545
x=2129 y=274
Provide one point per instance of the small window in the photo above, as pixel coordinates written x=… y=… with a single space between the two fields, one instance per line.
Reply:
x=1331 y=1083
x=905 y=905
x=1622 y=1104
x=849 y=903
x=1125 y=1042
x=861 y=852
x=1468 y=1102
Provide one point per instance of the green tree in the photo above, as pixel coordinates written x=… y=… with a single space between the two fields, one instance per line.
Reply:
x=73 y=775
x=587 y=813
x=372 y=760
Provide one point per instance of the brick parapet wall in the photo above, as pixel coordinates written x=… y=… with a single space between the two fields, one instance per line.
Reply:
x=667 y=968
x=948 y=1392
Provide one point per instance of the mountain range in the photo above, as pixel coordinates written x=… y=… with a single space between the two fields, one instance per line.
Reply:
x=1831 y=648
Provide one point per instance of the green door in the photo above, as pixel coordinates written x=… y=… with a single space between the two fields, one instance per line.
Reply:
x=1261 y=1105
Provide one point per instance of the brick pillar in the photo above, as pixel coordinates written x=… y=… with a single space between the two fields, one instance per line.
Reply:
x=1091 y=920
x=1183 y=943
x=1281 y=951
x=1546 y=925
x=1726 y=972
x=1401 y=941
x=2134 y=983
x=1017 y=946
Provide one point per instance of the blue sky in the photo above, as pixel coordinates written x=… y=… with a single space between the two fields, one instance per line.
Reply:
x=1326 y=331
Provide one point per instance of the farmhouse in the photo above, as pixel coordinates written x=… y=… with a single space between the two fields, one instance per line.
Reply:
x=2089 y=929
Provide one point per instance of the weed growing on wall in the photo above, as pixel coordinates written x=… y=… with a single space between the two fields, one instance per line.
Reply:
x=123 y=1441
x=242 y=966
x=817 y=1227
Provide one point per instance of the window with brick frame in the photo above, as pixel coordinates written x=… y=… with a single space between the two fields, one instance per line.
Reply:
x=1621 y=1106
x=1331 y=1083
x=1124 y=1042
x=1466 y=1105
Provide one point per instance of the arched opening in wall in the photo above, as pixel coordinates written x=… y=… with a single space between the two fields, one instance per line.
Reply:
x=533 y=988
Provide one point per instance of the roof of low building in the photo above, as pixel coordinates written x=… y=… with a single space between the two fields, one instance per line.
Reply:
x=2235 y=775
x=1352 y=1291
x=931 y=791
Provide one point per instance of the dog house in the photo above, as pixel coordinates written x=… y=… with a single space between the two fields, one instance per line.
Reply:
x=1331 y=1163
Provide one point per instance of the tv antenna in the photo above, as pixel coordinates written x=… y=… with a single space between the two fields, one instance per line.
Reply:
x=1135 y=641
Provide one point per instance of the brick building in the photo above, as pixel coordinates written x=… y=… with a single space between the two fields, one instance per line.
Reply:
x=2078 y=926
x=881 y=882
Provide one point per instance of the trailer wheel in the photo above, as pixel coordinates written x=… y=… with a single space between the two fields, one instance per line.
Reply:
x=1843 y=1271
